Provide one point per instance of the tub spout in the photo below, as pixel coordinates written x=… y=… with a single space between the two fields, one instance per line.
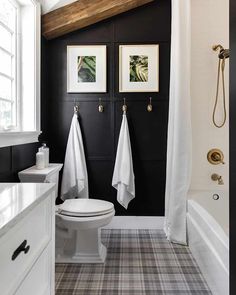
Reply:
x=220 y=180
x=216 y=177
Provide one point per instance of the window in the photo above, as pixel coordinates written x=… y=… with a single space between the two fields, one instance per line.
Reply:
x=8 y=65
x=19 y=71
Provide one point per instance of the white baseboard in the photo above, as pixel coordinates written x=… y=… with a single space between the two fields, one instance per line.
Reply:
x=136 y=222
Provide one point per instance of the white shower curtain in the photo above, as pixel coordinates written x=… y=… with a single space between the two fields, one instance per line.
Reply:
x=178 y=174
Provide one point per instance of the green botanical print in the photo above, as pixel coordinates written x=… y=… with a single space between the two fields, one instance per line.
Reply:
x=86 y=69
x=138 y=68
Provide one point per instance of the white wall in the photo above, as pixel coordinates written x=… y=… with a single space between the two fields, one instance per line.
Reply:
x=210 y=25
x=50 y=5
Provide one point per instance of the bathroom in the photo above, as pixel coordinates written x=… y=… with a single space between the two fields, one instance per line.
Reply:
x=171 y=235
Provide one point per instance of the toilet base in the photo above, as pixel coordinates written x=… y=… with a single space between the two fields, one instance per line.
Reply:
x=84 y=247
x=83 y=258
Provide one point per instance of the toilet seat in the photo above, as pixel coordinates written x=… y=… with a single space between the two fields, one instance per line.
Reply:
x=85 y=208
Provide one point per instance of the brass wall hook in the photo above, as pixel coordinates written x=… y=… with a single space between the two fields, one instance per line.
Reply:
x=76 y=109
x=149 y=106
x=100 y=106
x=124 y=107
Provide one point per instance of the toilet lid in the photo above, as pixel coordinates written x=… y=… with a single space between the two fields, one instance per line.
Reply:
x=85 y=207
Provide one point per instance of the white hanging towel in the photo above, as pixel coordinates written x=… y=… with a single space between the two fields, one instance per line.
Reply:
x=123 y=175
x=75 y=178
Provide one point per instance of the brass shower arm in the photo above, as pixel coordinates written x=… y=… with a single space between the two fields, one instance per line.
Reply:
x=218 y=46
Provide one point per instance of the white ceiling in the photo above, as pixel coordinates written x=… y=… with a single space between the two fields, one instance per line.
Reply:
x=49 y=5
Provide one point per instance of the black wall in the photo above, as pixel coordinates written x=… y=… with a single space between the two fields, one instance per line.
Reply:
x=14 y=159
x=232 y=147
x=148 y=24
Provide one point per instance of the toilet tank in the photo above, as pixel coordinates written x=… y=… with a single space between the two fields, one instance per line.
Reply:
x=47 y=175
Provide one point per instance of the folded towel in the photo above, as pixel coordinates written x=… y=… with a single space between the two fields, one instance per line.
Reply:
x=123 y=175
x=74 y=179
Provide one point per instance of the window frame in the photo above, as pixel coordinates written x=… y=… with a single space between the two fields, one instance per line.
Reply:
x=17 y=136
x=15 y=75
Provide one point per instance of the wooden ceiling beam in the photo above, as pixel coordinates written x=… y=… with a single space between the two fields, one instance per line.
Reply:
x=83 y=13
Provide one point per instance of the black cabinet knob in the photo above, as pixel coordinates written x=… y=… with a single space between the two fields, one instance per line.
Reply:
x=21 y=248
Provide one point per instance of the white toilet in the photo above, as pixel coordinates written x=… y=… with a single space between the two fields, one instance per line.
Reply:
x=78 y=221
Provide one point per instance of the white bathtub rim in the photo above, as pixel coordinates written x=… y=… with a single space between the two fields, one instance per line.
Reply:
x=211 y=232
x=209 y=244
x=211 y=267
x=209 y=220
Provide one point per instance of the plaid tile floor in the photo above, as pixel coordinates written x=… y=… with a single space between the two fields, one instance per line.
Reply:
x=138 y=262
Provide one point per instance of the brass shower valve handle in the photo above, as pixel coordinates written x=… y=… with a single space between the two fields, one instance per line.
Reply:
x=215 y=157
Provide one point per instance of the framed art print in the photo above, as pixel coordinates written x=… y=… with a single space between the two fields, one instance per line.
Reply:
x=139 y=68
x=86 y=68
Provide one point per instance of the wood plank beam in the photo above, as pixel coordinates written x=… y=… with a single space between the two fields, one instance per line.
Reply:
x=83 y=13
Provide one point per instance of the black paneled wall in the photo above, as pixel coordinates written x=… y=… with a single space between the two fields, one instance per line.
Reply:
x=145 y=25
x=16 y=158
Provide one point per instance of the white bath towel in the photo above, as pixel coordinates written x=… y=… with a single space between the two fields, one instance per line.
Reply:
x=123 y=175
x=75 y=178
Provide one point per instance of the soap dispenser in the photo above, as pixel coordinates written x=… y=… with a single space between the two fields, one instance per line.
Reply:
x=40 y=162
x=45 y=150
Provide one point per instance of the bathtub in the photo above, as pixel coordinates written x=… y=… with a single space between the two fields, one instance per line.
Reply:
x=208 y=237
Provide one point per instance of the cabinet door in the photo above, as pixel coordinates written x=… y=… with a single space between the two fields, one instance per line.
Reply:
x=39 y=279
x=35 y=230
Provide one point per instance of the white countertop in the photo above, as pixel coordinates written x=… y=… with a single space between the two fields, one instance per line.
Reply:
x=45 y=172
x=17 y=199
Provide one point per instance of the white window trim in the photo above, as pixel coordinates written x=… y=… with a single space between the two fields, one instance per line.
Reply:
x=15 y=138
x=10 y=138
x=13 y=77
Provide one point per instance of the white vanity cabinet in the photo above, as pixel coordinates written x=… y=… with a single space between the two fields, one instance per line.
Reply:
x=27 y=243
